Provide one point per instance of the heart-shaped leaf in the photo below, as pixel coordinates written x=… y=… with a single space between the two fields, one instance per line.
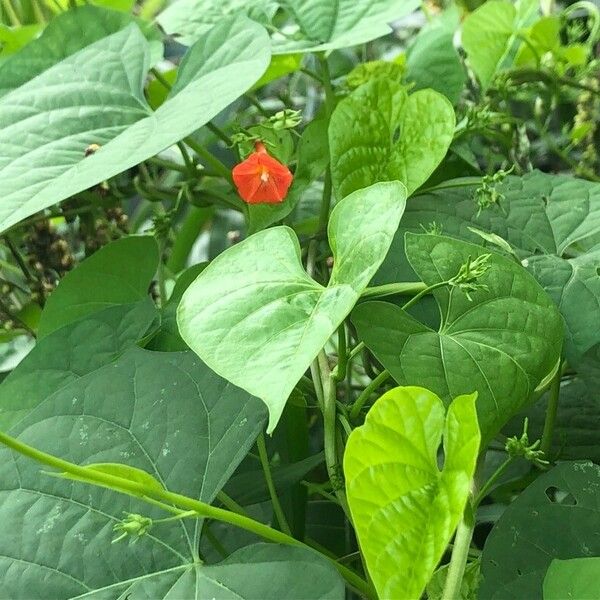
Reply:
x=552 y=223
x=501 y=344
x=380 y=133
x=41 y=164
x=166 y=414
x=119 y=273
x=404 y=508
x=256 y=318
x=557 y=516
x=265 y=571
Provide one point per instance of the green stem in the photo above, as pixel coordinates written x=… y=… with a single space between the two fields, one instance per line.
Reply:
x=453 y=183
x=366 y=394
x=422 y=293
x=339 y=373
x=219 y=133
x=12 y=15
x=266 y=467
x=167 y=164
x=210 y=160
x=490 y=482
x=17 y=256
x=161 y=79
x=390 y=289
x=460 y=554
x=187 y=235
x=139 y=490
x=230 y=504
x=189 y=163
x=356 y=350
x=551 y=411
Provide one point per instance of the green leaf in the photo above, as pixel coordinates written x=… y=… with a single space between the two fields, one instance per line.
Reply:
x=553 y=224
x=188 y=20
x=265 y=571
x=70 y=353
x=468 y=586
x=573 y=579
x=166 y=414
x=432 y=60
x=379 y=133
x=256 y=318
x=313 y=158
x=107 y=77
x=556 y=517
x=501 y=344
x=405 y=510
x=14 y=38
x=119 y=273
x=65 y=35
x=346 y=22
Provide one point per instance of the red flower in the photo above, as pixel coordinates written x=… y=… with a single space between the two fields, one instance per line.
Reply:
x=261 y=178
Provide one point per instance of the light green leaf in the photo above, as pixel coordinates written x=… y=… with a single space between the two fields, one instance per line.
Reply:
x=379 y=133
x=573 y=579
x=265 y=571
x=552 y=223
x=433 y=62
x=65 y=35
x=188 y=20
x=70 y=353
x=14 y=38
x=558 y=516
x=256 y=318
x=107 y=77
x=405 y=510
x=119 y=273
x=345 y=23
x=166 y=414
x=501 y=344
x=490 y=35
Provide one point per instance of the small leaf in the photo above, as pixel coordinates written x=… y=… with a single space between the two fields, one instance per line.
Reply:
x=501 y=344
x=573 y=579
x=404 y=508
x=256 y=318
x=379 y=133
x=119 y=273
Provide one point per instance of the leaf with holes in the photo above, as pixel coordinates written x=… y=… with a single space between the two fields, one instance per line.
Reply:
x=404 y=508
x=556 y=517
x=501 y=344
x=106 y=78
x=166 y=414
x=255 y=316
x=380 y=133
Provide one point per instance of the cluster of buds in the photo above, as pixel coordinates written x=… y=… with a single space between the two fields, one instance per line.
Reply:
x=133 y=525
x=104 y=229
x=584 y=129
x=487 y=194
x=467 y=277
x=522 y=447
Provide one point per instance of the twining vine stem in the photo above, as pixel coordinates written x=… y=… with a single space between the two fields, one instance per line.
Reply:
x=155 y=494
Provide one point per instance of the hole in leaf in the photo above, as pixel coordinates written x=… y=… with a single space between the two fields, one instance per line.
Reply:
x=545 y=200
x=558 y=496
x=519 y=572
x=598 y=271
x=396 y=134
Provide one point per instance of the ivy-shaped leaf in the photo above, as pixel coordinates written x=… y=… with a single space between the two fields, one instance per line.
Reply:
x=501 y=344
x=404 y=508
x=556 y=517
x=256 y=318
x=573 y=578
x=46 y=163
x=381 y=133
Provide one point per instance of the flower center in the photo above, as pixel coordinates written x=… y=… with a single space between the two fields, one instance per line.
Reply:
x=264 y=175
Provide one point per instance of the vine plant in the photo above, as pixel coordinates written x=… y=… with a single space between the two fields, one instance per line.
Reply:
x=299 y=299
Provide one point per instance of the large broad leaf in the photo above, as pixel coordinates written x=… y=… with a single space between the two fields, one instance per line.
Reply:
x=65 y=35
x=557 y=516
x=328 y=26
x=501 y=344
x=489 y=34
x=574 y=578
x=404 y=508
x=265 y=571
x=380 y=133
x=432 y=60
x=189 y=20
x=255 y=316
x=46 y=164
x=70 y=353
x=164 y=413
x=119 y=273
x=553 y=224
